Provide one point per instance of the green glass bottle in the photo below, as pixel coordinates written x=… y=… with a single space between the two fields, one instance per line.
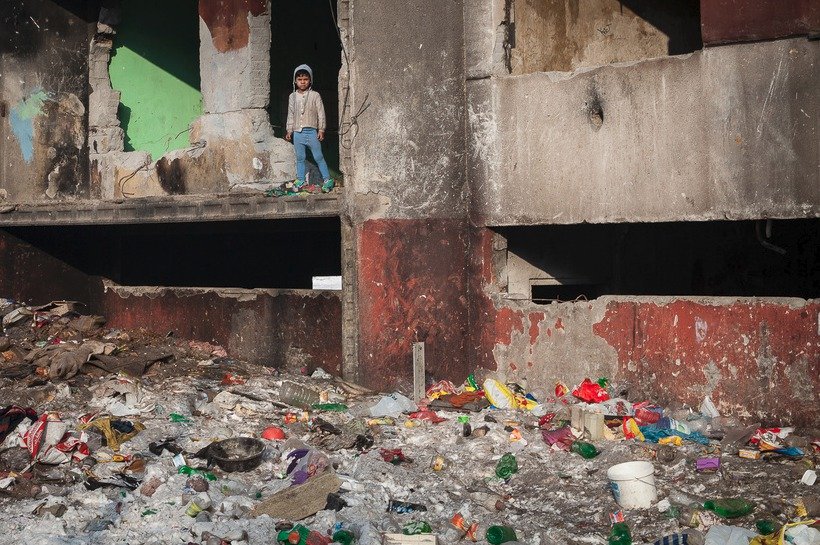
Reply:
x=587 y=450
x=620 y=534
x=506 y=466
x=729 y=507
x=496 y=535
x=766 y=527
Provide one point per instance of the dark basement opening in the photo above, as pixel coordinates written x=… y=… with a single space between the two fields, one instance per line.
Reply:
x=282 y=254
x=305 y=32
x=765 y=258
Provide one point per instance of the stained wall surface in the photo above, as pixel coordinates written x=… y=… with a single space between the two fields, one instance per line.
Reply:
x=727 y=133
x=43 y=89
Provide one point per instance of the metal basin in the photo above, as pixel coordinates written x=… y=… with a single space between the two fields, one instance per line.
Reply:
x=237 y=453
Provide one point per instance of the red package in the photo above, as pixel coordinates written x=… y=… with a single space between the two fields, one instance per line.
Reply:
x=645 y=416
x=545 y=420
x=392 y=456
x=231 y=379
x=430 y=416
x=591 y=392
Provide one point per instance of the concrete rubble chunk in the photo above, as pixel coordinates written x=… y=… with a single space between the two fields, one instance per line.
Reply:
x=301 y=501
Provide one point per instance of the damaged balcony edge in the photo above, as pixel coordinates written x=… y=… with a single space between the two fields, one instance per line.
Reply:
x=240 y=294
x=190 y=208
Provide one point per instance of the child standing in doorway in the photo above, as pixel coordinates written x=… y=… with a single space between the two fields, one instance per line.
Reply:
x=306 y=126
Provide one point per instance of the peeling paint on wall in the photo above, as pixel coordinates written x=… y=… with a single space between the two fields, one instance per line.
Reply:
x=22 y=121
x=228 y=21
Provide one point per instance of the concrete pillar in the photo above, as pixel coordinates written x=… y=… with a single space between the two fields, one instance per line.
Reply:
x=405 y=189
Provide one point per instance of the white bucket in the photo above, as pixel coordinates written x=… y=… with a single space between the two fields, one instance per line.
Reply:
x=633 y=484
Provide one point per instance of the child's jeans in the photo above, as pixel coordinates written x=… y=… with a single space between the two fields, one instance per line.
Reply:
x=308 y=137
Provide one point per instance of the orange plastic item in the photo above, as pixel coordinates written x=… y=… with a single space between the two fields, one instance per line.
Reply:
x=273 y=433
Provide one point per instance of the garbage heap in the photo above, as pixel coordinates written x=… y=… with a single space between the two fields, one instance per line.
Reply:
x=112 y=436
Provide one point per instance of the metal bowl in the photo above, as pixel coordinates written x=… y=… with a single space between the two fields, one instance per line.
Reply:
x=237 y=453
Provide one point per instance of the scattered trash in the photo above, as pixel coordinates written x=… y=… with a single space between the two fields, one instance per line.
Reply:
x=237 y=454
x=130 y=449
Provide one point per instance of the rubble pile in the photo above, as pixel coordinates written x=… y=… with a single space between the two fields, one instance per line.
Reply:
x=113 y=436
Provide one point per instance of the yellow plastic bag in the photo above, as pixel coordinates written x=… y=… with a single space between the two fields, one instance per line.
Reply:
x=499 y=395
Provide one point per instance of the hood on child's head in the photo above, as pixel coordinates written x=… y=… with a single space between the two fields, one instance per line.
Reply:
x=307 y=69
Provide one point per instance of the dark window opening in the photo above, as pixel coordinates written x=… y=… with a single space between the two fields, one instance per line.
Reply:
x=776 y=258
x=305 y=32
x=284 y=254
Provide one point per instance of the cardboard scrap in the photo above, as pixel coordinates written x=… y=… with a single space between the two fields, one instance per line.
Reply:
x=300 y=501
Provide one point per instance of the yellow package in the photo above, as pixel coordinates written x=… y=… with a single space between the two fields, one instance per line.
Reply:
x=499 y=395
x=671 y=440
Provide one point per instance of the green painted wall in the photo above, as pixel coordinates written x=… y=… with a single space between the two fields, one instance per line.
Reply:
x=155 y=65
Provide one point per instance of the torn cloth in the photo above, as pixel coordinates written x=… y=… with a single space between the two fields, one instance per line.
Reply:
x=11 y=416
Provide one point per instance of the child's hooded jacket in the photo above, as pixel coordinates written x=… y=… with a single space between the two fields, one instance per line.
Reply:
x=306 y=109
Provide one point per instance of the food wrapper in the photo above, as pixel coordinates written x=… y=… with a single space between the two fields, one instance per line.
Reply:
x=499 y=395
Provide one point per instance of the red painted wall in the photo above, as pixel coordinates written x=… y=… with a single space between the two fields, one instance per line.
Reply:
x=32 y=276
x=725 y=21
x=412 y=287
x=760 y=358
x=261 y=329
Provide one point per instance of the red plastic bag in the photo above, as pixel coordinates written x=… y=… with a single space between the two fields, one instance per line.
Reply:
x=561 y=438
x=590 y=392
x=430 y=416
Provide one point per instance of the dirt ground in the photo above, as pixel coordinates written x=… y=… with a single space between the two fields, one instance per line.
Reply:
x=556 y=496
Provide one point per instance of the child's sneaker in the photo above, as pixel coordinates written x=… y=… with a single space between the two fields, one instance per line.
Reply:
x=327 y=187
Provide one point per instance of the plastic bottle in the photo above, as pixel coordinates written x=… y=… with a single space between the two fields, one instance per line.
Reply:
x=496 y=535
x=729 y=507
x=297 y=395
x=766 y=527
x=301 y=535
x=620 y=534
x=686 y=515
x=344 y=537
x=506 y=466
x=586 y=450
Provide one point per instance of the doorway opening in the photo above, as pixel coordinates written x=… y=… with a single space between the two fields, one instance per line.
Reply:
x=305 y=32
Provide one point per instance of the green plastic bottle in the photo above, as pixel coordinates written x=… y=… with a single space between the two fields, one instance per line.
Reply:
x=416 y=527
x=330 y=407
x=506 y=466
x=344 y=537
x=587 y=450
x=496 y=535
x=766 y=527
x=620 y=534
x=285 y=535
x=729 y=508
x=188 y=470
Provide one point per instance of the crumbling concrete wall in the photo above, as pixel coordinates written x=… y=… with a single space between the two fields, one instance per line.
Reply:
x=294 y=329
x=563 y=35
x=31 y=275
x=757 y=357
x=405 y=191
x=43 y=100
x=692 y=137
x=232 y=143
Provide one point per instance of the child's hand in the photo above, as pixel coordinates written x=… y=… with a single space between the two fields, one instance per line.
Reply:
x=321 y=135
x=289 y=136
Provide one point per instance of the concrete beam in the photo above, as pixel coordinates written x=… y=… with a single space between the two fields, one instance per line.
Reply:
x=189 y=208
x=726 y=133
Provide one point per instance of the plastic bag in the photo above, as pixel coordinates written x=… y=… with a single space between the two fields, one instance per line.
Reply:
x=499 y=395
x=591 y=392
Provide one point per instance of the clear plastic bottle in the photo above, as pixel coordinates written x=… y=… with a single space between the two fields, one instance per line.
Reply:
x=297 y=395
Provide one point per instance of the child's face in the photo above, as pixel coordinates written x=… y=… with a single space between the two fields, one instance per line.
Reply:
x=302 y=82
